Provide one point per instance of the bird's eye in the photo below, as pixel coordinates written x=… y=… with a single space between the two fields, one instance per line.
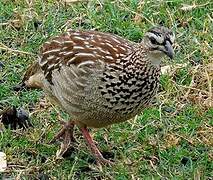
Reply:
x=153 y=40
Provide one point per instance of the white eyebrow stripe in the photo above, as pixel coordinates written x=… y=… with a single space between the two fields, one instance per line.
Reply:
x=150 y=34
x=158 y=38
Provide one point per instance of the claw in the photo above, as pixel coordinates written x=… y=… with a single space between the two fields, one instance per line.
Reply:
x=66 y=134
x=99 y=157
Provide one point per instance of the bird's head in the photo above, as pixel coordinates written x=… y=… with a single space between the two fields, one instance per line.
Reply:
x=159 y=42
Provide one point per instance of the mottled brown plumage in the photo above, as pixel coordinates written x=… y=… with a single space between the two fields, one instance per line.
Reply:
x=102 y=79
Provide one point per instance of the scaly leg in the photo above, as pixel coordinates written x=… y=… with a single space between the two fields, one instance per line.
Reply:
x=99 y=157
x=66 y=134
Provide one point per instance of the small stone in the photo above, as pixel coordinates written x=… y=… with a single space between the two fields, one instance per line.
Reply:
x=23 y=117
x=22 y=114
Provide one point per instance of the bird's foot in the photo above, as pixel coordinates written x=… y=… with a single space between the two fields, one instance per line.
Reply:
x=98 y=156
x=66 y=134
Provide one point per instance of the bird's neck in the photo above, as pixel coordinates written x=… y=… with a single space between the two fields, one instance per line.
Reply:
x=155 y=58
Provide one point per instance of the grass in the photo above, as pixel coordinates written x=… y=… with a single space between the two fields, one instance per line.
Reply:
x=172 y=139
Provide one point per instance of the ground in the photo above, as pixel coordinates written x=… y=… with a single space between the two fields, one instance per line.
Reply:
x=172 y=139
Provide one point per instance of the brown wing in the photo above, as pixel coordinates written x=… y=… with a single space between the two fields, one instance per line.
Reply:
x=81 y=48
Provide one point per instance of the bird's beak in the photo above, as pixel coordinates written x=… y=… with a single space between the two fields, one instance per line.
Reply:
x=169 y=50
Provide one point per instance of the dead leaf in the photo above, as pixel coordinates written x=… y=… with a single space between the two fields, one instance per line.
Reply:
x=186 y=7
x=137 y=18
x=171 y=140
x=172 y=68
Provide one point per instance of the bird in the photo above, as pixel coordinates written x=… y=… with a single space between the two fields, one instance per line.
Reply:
x=100 y=79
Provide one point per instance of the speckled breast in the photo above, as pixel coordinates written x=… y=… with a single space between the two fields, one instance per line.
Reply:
x=120 y=95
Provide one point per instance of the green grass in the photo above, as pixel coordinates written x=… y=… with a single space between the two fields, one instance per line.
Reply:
x=152 y=146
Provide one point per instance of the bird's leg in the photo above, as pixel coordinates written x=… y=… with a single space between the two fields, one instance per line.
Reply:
x=66 y=134
x=99 y=157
